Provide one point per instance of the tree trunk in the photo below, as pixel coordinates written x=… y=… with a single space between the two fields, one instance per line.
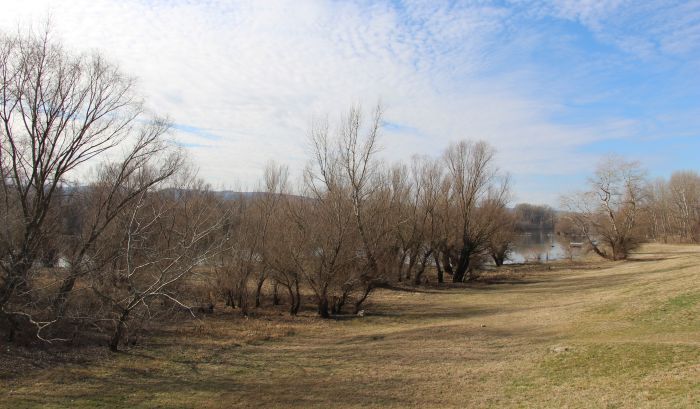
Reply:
x=230 y=298
x=258 y=289
x=323 y=306
x=402 y=262
x=421 y=269
x=498 y=259
x=340 y=303
x=275 y=296
x=297 y=305
x=361 y=300
x=292 y=301
x=59 y=304
x=243 y=296
x=438 y=267
x=447 y=263
x=14 y=280
x=243 y=303
x=411 y=264
x=117 y=336
x=462 y=266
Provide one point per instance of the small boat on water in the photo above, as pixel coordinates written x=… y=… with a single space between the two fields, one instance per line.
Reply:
x=574 y=244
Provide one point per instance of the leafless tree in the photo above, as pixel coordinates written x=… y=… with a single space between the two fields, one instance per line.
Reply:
x=57 y=111
x=268 y=206
x=684 y=190
x=674 y=207
x=358 y=148
x=148 y=163
x=608 y=213
x=243 y=255
x=419 y=231
x=163 y=237
x=502 y=239
x=327 y=224
x=471 y=182
x=659 y=220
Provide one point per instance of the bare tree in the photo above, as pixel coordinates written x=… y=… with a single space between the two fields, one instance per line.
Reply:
x=285 y=255
x=673 y=208
x=468 y=225
x=501 y=241
x=659 y=221
x=148 y=162
x=243 y=256
x=268 y=205
x=358 y=148
x=418 y=231
x=327 y=223
x=608 y=213
x=57 y=111
x=684 y=191
x=158 y=242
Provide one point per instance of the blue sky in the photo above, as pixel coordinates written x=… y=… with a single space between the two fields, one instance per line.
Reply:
x=553 y=85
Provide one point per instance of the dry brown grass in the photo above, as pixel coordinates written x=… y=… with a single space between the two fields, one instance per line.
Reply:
x=594 y=334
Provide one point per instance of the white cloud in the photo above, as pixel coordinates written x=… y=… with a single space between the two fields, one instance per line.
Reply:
x=254 y=73
x=645 y=29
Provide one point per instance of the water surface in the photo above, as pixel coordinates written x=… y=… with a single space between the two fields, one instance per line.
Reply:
x=541 y=246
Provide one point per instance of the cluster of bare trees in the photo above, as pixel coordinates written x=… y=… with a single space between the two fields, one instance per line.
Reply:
x=139 y=235
x=674 y=208
x=106 y=248
x=352 y=225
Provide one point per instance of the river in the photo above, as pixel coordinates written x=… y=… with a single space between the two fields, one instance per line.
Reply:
x=541 y=246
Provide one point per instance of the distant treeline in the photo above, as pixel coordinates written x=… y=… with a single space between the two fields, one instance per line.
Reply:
x=530 y=217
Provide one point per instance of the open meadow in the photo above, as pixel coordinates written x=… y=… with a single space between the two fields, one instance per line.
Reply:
x=568 y=334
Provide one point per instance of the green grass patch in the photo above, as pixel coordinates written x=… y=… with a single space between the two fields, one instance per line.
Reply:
x=660 y=375
x=678 y=311
x=684 y=301
x=624 y=361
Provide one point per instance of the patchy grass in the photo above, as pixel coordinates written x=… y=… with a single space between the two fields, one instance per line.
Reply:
x=594 y=334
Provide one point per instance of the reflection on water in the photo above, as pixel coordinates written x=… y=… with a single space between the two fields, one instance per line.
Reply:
x=542 y=246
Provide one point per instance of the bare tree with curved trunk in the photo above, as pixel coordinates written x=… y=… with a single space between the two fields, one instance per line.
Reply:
x=608 y=213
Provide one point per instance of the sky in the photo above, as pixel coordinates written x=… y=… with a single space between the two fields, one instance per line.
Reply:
x=552 y=85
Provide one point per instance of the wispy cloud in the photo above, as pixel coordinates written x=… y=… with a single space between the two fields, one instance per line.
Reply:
x=242 y=80
x=199 y=132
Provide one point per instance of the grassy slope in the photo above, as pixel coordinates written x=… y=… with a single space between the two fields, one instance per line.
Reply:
x=623 y=334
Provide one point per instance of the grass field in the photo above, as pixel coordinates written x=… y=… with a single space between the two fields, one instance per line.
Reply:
x=591 y=334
